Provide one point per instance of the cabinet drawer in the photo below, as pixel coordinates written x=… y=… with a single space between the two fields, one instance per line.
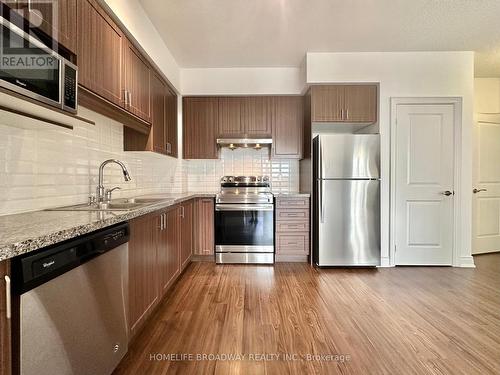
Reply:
x=287 y=226
x=293 y=244
x=292 y=203
x=292 y=215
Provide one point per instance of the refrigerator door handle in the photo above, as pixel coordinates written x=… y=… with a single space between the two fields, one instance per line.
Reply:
x=320 y=196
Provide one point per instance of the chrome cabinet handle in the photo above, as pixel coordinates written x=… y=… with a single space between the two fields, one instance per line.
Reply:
x=129 y=98
x=182 y=212
x=169 y=147
x=347 y=114
x=8 y=308
x=447 y=193
x=475 y=191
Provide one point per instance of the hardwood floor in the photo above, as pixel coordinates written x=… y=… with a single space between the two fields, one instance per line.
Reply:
x=408 y=320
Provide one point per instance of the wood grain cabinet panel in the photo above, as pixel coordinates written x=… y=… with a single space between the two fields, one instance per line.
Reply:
x=361 y=103
x=158 y=115
x=186 y=233
x=136 y=82
x=292 y=228
x=200 y=128
x=56 y=19
x=204 y=226
x=143 y=290
x=171 y=137
x=256 y=116
x=344 y=103
x=327 y=103
x=229 y=117
x=100 y=52
x=169 y=249
x=287 y=127
x=5 y=323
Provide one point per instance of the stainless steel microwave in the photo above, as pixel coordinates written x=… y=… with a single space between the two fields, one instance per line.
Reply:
x=30 y=68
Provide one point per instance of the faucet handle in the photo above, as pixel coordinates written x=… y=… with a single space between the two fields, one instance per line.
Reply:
x=92 y=200
x=109 y=191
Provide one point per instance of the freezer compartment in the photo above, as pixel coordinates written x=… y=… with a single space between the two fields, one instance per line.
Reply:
x=347 y=156
x=347 y=223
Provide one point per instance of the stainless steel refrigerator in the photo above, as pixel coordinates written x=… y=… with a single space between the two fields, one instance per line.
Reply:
x=346 y=195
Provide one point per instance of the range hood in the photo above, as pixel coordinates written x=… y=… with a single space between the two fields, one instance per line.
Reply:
x=233 y=143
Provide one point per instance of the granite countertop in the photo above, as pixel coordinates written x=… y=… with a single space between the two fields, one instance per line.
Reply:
x=26 y=232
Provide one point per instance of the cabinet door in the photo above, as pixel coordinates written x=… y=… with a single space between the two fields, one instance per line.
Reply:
x=200 y=128
x=229 y=124
x=204 y=227
x=288 y=122
x=57 y=19
x=158 y=114
x=360 y=103
x=143 y=291
x=327 y=103
x=174 y=244
x=171 y=123
x=256 y=116
x=186 y=233
x=136 y=82
x=5 y=322
x=100 y=52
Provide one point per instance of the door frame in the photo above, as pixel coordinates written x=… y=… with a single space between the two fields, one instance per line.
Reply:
x=457 y=173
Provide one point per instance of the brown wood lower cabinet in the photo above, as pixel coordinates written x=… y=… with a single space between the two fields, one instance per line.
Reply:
x=204 y=226
x=186 y=233
x=143 y=291
x=5 y=322
x=159 y=249
x=292 y=228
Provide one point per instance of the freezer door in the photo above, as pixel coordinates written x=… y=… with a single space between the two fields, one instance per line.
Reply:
x=345 y=156
x=347 y=223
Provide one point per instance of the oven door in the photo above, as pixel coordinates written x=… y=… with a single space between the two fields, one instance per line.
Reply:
x=244 y=228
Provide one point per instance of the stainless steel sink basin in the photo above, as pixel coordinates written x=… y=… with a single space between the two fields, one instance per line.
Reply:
x=125 y=204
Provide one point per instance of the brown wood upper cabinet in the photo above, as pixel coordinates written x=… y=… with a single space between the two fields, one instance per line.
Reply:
x=288 y=119
x=344 y=103
x=229 y=119
x=171 y=123
x=100 y=52
x=256 y=115
x=200 y=116
x=57 y=19
x=244 y=116
x=136 y=82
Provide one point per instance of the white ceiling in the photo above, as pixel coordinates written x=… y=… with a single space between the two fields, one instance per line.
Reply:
x=265 y=33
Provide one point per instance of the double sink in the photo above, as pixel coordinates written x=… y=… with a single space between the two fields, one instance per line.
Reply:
x=125 y=204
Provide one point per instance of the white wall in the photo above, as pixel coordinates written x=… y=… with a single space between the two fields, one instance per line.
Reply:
x=409 y=74
x=487 y=95
x=240 y=81
x=135 y=19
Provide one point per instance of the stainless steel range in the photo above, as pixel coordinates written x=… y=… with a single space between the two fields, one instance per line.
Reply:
x=244 y=220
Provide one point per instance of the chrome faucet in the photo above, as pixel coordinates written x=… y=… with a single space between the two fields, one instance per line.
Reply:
x=101 y=193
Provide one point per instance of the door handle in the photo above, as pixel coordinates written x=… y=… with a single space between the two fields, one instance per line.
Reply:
x=447 y=193
x=320 y=196
x=8 y=304
x=475 y=191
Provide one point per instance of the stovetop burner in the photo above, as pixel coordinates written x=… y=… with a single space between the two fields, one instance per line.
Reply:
x=245 y=189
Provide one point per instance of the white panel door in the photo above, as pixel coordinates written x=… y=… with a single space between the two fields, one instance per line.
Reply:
x=486 y=197
x=424 y=175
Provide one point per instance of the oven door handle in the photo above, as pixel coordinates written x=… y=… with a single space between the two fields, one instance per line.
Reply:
x=244 y=207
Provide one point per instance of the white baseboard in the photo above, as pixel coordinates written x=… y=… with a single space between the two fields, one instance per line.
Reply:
x=385 y=262
x=466 y=262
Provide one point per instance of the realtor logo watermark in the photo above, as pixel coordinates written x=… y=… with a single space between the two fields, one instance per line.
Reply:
x=16 y=53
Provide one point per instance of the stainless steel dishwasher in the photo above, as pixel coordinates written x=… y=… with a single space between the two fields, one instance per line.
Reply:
x=73 y=305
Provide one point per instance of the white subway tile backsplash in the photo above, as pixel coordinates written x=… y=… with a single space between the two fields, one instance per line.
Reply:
x=48 y=167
